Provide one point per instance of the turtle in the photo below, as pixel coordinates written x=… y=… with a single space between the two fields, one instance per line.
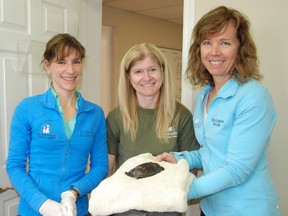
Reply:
x=145 y=170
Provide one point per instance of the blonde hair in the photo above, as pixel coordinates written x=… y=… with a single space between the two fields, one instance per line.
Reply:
x=247 y=63
x=127 y=97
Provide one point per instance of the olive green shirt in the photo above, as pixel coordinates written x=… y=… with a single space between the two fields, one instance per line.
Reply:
x=180 y=135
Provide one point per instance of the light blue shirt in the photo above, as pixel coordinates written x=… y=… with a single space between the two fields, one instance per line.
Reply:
x=234 y=142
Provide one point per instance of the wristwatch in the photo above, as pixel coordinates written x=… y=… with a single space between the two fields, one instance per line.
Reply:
x=75 y=192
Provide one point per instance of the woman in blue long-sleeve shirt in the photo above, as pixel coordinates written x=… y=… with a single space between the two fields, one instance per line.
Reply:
x=233 y=120
x=55 y=134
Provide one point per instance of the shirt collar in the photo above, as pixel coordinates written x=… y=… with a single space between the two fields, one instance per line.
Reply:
x=229 y=89
x=55 y=95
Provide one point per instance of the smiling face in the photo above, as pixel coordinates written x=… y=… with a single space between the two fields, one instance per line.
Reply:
x=146 y=78
x=66 y=72
x=219 y=52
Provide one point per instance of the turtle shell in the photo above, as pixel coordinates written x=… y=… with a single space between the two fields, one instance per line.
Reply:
x=145 y=170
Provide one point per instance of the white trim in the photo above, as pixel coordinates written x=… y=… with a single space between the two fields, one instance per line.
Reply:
x=188 y=24
x=90 y=33
x=187 y=94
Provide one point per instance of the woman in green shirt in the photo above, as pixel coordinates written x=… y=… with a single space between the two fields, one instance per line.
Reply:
x=148 y=118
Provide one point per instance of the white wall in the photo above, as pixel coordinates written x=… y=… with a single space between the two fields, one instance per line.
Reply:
x=106 y=69
x=270 y=31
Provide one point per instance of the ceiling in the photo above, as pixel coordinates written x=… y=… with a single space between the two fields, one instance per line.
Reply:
x=169 y=10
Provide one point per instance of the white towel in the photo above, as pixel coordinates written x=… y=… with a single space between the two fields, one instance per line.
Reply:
x=164 y=192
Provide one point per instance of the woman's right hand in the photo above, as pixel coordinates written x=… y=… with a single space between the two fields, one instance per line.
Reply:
x=53 y=208
x=168 y=157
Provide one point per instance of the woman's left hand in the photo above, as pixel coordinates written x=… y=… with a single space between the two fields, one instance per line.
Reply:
x=168 y=157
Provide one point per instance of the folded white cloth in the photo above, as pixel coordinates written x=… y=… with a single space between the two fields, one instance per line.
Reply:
x=164 y=192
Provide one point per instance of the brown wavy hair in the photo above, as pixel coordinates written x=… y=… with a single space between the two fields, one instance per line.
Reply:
x=247 y=63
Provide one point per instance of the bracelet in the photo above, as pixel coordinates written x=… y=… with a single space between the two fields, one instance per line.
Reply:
x=75 y=192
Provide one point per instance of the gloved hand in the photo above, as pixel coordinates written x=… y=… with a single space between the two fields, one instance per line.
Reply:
x=69 y=201
x=52 y=208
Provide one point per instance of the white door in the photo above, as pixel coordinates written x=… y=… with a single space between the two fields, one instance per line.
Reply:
x=25 y=26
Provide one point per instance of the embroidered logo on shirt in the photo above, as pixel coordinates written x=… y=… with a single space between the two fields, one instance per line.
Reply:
x=172 y=132
x=46 y=132
x=46 y=129
x=217 y=122
x=197 y=123
x=86 y=133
